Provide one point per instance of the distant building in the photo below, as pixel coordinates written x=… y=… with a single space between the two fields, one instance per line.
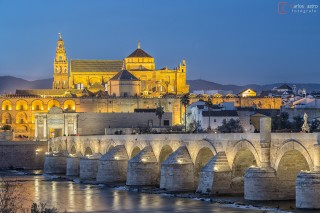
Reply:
x=220 y=93
x=284 y=91
x=247 y=93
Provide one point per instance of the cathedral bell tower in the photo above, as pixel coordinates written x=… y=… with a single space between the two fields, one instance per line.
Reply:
x=60 y=72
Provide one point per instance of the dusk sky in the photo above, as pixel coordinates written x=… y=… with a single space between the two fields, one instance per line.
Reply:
x=224 y=41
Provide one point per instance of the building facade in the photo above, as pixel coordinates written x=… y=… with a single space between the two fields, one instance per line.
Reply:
x=96 y=74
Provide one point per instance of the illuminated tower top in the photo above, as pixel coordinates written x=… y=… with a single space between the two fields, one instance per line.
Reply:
x=60 y=74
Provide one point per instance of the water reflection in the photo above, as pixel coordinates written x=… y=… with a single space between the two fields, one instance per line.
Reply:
x=71 y=195
x=74 y=197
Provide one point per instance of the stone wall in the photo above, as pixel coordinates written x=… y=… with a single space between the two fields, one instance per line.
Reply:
x=6 y=135
x=27 y=155
x=96 y=123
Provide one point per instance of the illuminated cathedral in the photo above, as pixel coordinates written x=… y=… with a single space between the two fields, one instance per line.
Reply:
x=136 y=75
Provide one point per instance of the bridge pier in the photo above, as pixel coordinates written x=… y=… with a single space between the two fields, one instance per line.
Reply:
x=143 y=169
x=215 y=176
x=73 y=165
x=308 y=185
x=89 y=167
x=260 y=182
x=55 y=163
x=113 y=166
x=177 y=171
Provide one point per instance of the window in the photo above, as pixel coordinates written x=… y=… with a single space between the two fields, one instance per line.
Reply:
x=21 y=121
x=37 y=107
x=166 y=123
x=21 y=107
x=125 y=94
x=7 y=107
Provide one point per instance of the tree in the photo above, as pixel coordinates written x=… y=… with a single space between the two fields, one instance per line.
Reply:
x=280 y=121
x=231 y=126
x=6 y=127
x=185 y=101
x=297 y=122
x=208 y=103
x=159 y=113
x=315 y=123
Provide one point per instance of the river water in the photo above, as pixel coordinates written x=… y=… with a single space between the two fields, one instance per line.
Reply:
x=74 y=197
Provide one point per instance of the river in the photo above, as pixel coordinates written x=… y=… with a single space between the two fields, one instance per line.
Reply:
x=74 y=197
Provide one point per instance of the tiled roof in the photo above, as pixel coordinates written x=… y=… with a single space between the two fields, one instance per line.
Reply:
x=124 y=75
x=48 y=92
x=96 y=65
x=222 y=113
x=139 y=53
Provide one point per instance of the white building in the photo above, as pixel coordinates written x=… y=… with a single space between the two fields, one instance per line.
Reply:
x=198 y=113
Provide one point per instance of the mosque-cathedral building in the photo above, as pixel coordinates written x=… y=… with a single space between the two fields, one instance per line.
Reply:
x=107 y=86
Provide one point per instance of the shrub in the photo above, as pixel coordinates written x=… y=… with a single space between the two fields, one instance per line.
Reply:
x=6 y=127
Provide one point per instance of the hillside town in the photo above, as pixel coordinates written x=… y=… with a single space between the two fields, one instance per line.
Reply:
x=133 y=96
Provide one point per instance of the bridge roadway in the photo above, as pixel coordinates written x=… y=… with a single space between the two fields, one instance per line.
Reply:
x=262 y=166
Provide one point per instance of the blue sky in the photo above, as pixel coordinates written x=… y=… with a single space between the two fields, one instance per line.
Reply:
x=225 y=41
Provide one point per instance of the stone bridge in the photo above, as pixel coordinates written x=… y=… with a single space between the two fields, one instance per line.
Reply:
x=262 y=166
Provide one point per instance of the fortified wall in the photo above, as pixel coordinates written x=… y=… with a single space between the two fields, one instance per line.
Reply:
x=19 y=111
x=262 y=166
x=22 y=155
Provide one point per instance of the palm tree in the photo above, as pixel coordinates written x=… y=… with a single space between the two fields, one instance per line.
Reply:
x=208 y=103
x=159 y=113
x=185 y=101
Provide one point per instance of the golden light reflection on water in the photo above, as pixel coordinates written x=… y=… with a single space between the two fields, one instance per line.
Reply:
x=54 y=193
x=73 y=197
x=36 y=190
x=71 y=203
x=88 y=198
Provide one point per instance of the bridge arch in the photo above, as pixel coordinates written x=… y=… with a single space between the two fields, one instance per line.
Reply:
x=73 y=150
x=88 y=151
x=242 y=145
x=135 y=150
x=202 y=158
x=244 y=155
x=194 y=148
x=293 y=157
x=165 y=151
x=290 y=145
